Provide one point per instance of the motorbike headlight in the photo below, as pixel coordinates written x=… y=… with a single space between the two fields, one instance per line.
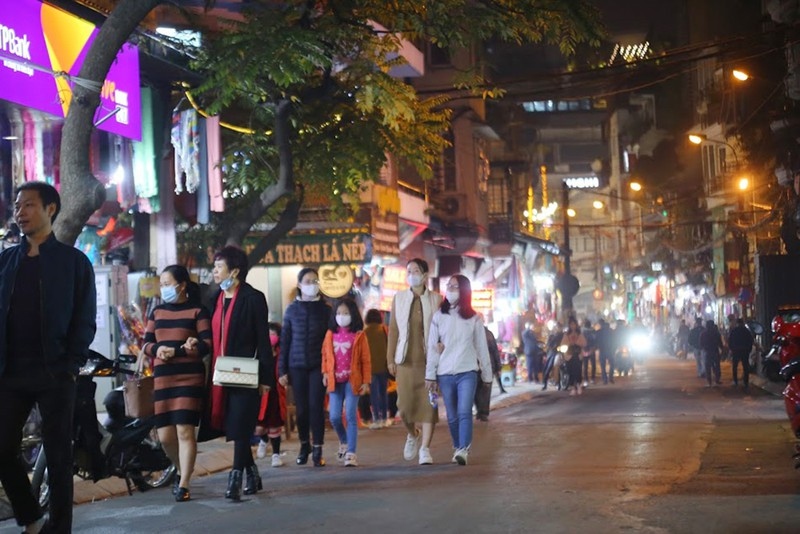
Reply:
x=641 y=342
x=563 y=348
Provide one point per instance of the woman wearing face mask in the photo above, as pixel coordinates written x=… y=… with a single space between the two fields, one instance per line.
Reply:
x=457 y=354
x=239 y=325
x=412 y=310
x=346 y=373
x=305 y=323
x=178 y=335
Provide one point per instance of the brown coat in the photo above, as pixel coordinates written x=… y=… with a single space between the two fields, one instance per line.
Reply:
x=360 y=367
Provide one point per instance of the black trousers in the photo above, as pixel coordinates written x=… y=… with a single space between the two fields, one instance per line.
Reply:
x=56 y=399
x=591 y=359
x=604 y=357
x=309 y=401
x=483 y=398
x=744 y=357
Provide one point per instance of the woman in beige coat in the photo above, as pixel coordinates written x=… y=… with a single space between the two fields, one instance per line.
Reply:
x=412 y=310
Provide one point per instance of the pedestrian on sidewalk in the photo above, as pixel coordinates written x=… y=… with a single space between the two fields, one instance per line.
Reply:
x=533 y=353
x=346 y=373
x=412 y=310
x=576 y=343
x=305 y=323
x=553 y=342
x=458 y=357
x=694 y=344
x=47 y=322
x=483 y=395
x=740 y=341
x=272 y=414
x=378 y=337
x=606 y=348
x=177 y=337
x=711 y=345
x=239 y=329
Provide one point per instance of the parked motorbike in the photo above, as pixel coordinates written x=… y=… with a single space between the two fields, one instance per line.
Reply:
x=623 y=361
x=121 y=446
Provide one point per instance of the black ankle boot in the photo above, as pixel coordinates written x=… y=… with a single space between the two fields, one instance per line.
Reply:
x=316 y=456
x=302 y=456
x=252 y=480
x=234 y=491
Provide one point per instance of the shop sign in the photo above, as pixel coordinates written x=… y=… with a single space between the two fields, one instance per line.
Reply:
x=335 y=280
x=483 y=300
x=316 y=249
x=37 y=39
x=394 y=280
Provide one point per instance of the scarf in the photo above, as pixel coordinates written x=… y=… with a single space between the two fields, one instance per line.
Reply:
x=217 y=331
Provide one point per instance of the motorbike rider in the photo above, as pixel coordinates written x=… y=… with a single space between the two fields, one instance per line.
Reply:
x=740 y=342
x=47 y=322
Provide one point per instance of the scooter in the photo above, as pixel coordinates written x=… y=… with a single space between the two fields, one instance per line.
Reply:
x=786 y=348
x=123 y=447
x=623 y=361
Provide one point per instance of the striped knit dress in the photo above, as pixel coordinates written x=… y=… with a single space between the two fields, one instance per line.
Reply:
x=179 y=388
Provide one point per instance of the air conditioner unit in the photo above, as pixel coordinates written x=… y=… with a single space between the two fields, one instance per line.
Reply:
x=450 y=206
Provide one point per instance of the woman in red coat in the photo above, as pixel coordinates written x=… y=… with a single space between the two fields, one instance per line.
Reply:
x=272 y=415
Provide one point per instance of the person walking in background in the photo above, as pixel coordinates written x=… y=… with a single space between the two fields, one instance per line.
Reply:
x=47 y=322
x=346 y=373
x=694 y=344
x=305 y=323
x=711 y=345
x=576 y=343
x=377 y=338
x=177 y=337
x=458 y=356
x=272 y=414
x=604 y=339
x=409 y=328
x=483 y=395
x=740 y=342
x=682 y=340
x=553 y=342
x=239 y=329
x=589 y=356
x=533 y=353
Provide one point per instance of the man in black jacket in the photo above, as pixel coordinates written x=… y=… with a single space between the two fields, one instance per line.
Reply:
x=694 y=344
x=47 y=322
x=740 y=343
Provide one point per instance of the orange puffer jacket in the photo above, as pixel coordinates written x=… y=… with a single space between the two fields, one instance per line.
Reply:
x=360 y=367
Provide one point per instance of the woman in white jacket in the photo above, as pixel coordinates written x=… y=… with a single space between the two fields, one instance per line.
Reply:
x=410 y=321
x=458 y=357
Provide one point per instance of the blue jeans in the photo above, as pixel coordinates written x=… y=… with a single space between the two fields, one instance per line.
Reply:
x=458 y=393
x=378 y=396
x=343 y=395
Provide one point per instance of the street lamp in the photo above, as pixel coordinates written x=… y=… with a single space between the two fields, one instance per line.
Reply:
x=635 y=186
x=740 y=75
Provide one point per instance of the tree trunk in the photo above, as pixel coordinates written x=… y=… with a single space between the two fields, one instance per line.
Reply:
x=284 y=186
x=81 y=192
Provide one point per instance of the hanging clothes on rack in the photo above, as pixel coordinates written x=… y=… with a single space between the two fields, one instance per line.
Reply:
x=186 y=142
x=214 y=147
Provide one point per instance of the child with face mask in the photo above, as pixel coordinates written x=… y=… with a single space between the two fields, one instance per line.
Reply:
x=346 y=373
x=272 y=414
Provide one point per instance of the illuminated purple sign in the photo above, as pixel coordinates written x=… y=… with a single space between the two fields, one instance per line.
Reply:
x=39 y=41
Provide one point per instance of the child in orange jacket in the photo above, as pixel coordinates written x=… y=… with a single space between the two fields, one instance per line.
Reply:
x=346 y=373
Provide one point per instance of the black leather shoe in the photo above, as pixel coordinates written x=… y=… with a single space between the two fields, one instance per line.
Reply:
x=252 y=480
x=182 y=495
x=234 y=491
x=176 y=484
x=302 y=456
x=316 y=456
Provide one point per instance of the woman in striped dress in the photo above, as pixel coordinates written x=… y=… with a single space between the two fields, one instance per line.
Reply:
x=178 y=335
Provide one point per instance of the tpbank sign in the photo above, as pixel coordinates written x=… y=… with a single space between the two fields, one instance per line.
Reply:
x=42 y=47
x=316 y=249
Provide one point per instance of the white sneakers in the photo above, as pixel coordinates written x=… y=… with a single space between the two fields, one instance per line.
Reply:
x=460 y=456
x=350 y=460
x=375 y=425
x=276 y=460
x=425 y=457
x=342 y=451
x=262 y=450
x=410 y=450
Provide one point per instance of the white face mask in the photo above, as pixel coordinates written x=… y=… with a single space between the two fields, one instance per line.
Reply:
x=414 y=280
x=452 y=296
x=309 y=290
x=343 y=320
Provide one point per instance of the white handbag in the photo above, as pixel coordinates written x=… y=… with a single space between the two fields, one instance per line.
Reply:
x=233 y=371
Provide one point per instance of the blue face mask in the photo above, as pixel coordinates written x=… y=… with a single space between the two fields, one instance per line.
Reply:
x=226 y=284
x=169 y=294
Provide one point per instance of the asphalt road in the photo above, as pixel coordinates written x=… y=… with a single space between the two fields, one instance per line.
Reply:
x=656 y=452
